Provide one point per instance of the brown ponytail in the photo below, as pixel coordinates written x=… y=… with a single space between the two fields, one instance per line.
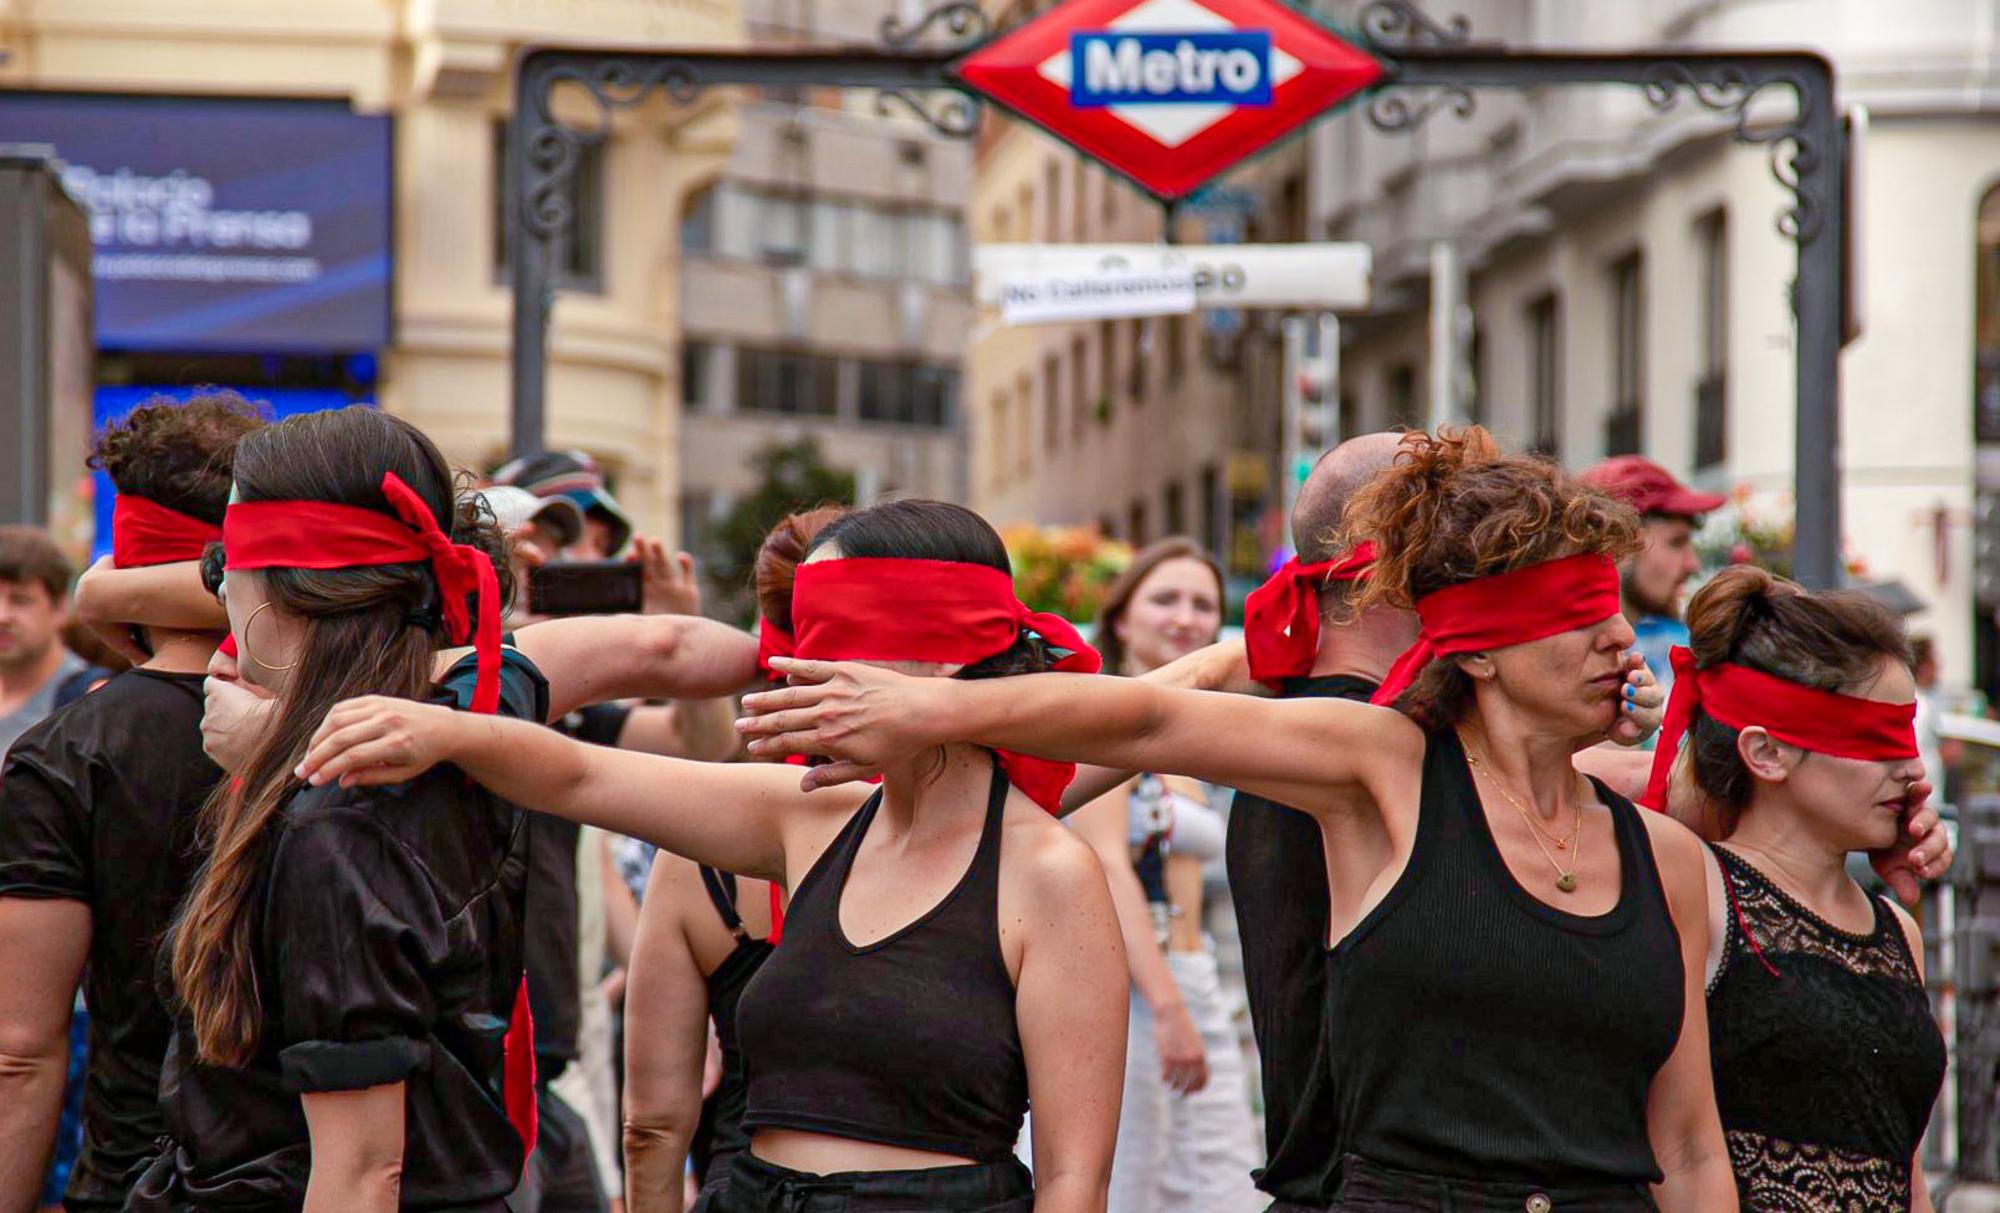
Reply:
x=1831 y=641
x=1453 y=508
x=367 y=631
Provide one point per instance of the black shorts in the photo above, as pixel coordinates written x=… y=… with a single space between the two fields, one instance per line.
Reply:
x=756 y=1186
x=1366 y=1187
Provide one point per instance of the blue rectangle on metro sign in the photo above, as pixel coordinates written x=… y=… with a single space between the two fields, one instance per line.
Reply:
x=1216 y=67
x=225 y=225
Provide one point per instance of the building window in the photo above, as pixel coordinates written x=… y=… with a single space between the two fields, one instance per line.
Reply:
x=1024 y=425
x=1402 y=391
x=1986 y=324
x=1079 y=387
x=1624 y=425
x=1711 y=393
x=579 y=252
x=1052 y=201
x=1076 y=208
x=1176 y=512
x=1106 y=527
x=1176 y=350
x=1107 y=367
x=1350 y=415
x=696 y=358
x=1545 y=377
x=1052 y=402
x=906 y=393
x=1142 y=357
x=1211 y=509
x=1138 y=537
x=698 y=223
x=998 y=444
x=1024 y=212
x=787 y=382
x=1474 y=393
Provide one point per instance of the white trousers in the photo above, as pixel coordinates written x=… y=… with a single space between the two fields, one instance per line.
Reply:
x=1187 y=1153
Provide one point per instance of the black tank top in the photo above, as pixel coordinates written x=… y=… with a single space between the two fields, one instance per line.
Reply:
x=910 y=1041
x=1475 y=1032
x=1826 y=1056
x=719 y=1135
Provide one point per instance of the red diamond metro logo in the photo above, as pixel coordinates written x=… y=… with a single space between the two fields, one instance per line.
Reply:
x=1169 y=92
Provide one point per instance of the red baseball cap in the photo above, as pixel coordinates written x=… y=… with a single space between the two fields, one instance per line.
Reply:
x=1649 y=488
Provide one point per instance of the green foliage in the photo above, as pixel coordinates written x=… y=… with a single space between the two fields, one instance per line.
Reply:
x=792 y=476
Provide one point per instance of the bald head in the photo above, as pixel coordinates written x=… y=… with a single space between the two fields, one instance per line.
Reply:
x=1337 y=476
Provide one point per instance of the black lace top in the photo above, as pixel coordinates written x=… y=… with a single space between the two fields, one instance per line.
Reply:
x=1826 y=1056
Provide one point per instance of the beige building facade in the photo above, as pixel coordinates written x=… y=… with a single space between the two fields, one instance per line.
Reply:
x=826 y=296
x=441 y=69
x=1630 y=288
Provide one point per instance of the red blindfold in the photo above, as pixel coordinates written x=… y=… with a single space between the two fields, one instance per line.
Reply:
x=323 y=535
x=932 y=610
x=1281 y=617
x=146 y=533
x=1508 y=608
x=1825 y=722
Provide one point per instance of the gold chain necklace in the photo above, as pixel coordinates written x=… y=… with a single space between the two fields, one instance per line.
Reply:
x=1565 y=879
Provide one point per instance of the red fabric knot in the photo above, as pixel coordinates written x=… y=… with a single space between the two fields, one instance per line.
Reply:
x=1281 y=618
x=146 y=533
x=880 y=609
x=1738 y=697
x=1514 y=607
x=326 y=535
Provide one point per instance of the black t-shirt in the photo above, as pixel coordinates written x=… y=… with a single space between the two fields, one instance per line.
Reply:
x=1277 y=878
x=98 y=804
x=387 y=925
x=554 y=987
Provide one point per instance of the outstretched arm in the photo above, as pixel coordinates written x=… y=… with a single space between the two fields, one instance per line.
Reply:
x=593 y=660
x=1296 y=752
x=1219 y=667
x=731 y=816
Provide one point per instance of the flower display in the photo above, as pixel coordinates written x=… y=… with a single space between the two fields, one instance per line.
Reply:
x=1064 y=569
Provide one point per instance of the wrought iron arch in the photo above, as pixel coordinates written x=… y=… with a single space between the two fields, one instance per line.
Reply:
x=1432 y=68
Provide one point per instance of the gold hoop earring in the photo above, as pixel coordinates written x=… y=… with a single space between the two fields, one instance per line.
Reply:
x=250 y=623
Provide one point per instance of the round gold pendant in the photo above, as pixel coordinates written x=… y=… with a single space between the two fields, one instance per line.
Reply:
x=1566 y=882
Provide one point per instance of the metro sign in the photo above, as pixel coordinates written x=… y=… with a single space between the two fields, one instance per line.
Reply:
x=1169 y=92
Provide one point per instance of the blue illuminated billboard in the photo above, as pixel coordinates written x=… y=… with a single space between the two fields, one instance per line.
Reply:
x=225 y=226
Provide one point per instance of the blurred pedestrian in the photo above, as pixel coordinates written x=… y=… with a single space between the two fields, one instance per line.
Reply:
x=1650 y=581
x=1186 y=1138
x=36 y=670
x=574 y=476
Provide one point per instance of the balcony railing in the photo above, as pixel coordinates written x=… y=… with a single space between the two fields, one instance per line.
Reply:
x=1623 y=429
x=1711 y=419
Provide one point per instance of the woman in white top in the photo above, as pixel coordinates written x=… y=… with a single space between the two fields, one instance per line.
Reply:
x=1187 y=1139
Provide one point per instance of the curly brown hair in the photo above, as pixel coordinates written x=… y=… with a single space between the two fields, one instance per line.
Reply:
x=178 y=455
x=1455 y=508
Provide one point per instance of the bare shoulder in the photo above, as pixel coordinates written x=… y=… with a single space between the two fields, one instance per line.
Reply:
x=1682 y=859
x=1046 y=863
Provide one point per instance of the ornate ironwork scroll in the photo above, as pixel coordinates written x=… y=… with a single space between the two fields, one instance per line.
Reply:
x=965 y=21
x=951 y=114
x=1729 y=90
x=1400 y=25
x=1394 y=110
